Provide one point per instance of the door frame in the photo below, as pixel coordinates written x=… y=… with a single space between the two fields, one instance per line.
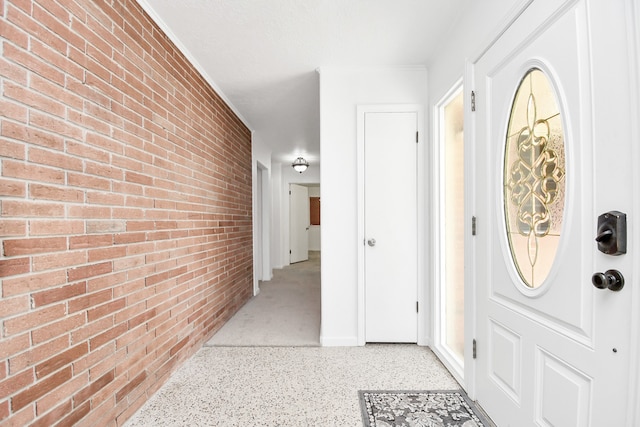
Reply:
x=422 y=253
x=435 y=223
x=470 y=295
x=633 y=24
x=633 y=29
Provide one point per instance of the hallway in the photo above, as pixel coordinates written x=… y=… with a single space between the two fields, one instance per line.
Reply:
x=286 y=312
x=265 y=368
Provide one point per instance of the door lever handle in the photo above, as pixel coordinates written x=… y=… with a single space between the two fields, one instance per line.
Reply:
x=371 y=242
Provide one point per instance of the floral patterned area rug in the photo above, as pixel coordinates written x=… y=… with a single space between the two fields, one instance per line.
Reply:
x=438 y=408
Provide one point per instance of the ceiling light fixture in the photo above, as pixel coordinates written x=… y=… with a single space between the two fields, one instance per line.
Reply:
x=300 y=165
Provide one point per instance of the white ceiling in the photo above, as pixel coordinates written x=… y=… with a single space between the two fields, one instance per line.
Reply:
x=263 y=54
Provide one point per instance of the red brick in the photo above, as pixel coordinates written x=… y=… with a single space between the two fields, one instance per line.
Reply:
x=33 y=99
x=40 y=389
x=23 y=417
x=35 y=318
x=15 y=383
x=62 y=393
x=138 y=178
x=14 y=345
x=4 y=410
x=100 y=227
x=14 y=34
x=107 y=336
x=12 y=227
x=31 y=209
x=55 y=227
x=45 y=87
x=106 y=282
x=87 y=212
x=90 y=300
x=11 y=188
x=56 y=414
x=65 y=358
x=76 y=415
x=55 y=159
x=105 y=142
x=100 y=155
x=32 y=172
x=58 y=260
x=80 y=273
x=176 y=348
x=34 y=246
x=88 y=181
x=8 y=148
x=12 y=267
x=47 y=192
x=33 y=282
x=59 y=328
x=126 y=238
x=106 y=309
x=31 y=62
x=62 y=293
x=90 y=241
x=54 y=125
x=93 y=388
x=30 y=135
x=37 y=354
x=107 y=253
x=16 y=305
x=87 y=152
x=135 y=382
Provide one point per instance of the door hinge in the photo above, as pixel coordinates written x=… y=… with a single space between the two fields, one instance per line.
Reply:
x=417 y=307
x=474 y=348
x=473 y=100
x=289 y=192
x=474 y=226
x=416 y=137
x=289 y=251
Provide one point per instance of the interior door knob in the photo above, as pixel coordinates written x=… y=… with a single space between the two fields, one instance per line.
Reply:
x=610 y=279
x=371 y=242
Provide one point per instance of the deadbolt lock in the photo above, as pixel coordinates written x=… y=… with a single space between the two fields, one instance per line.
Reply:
x=612 y=233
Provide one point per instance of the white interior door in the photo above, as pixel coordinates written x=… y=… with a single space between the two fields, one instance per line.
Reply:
x=390 y=226
x=552 y=350
x=300 y=222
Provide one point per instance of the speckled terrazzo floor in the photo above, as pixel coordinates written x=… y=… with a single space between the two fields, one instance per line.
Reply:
x=287 y=386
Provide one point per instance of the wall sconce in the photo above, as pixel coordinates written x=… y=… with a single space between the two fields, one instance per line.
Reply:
x=300 y=165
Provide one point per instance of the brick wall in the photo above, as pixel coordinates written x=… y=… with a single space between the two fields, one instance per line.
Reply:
x=125 y=211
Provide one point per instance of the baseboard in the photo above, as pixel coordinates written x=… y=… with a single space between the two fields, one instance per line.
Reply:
x=339 y=341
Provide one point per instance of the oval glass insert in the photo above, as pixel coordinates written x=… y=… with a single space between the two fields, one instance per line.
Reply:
x=534 y=178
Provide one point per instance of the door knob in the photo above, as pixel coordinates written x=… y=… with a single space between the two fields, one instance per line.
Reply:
x=610 y=279
x=371 y=242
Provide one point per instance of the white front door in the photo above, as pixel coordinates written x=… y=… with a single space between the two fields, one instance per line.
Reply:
x=300 y=223
x=390 y=154
x=552 y=350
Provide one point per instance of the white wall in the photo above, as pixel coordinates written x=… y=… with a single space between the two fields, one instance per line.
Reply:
x=479 y=23
x=341 y=91
x=277 y=238
x=261 y=157
x=315 y=230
